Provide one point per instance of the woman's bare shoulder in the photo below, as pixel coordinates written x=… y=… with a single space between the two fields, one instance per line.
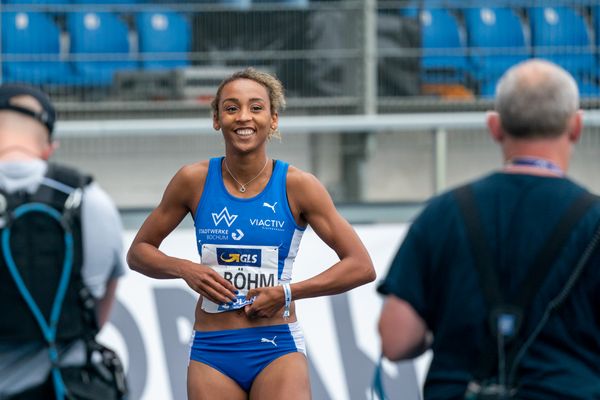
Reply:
x=193 y=172
x=298 y=179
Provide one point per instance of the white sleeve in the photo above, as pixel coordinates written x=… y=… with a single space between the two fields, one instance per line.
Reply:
x=102 y=233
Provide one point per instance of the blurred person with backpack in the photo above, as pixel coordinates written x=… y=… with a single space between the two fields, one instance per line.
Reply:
x=61 y=257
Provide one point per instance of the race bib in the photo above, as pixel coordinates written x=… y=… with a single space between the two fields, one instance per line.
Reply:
x=246 y=267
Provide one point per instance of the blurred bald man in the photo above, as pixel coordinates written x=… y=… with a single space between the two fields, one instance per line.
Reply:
x=500 y=277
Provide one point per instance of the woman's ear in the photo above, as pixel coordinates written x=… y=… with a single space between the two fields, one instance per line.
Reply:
x=216 y=124
x=274 y=121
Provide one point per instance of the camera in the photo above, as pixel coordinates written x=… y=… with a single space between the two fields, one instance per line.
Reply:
x=488 y=391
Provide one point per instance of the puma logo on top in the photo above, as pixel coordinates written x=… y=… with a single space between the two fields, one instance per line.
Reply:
x=272 y=207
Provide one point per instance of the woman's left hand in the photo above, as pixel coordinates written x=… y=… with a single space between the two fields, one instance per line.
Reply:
x=268 y=301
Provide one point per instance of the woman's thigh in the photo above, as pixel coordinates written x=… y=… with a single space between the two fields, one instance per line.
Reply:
x=284 y=378
x=206 y=383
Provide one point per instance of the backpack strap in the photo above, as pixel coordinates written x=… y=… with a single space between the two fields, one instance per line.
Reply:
x=62 y=188
x=483 y=260
x=553 y=246
x=47 y=326
x=521 y=346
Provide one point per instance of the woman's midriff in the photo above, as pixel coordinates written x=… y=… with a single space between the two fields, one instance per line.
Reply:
x=236 y=319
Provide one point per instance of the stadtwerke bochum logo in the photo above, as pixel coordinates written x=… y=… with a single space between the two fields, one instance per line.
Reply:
x=224 y=216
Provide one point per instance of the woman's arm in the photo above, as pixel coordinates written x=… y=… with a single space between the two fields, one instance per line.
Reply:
x=316 y=207
x=311 y=203
x=145 y=257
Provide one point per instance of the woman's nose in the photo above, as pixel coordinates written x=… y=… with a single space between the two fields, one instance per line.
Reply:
x=244 y=114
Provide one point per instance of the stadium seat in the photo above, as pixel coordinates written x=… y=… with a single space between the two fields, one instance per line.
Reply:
x=496 y=41
x=234 y=4
x=561 y=35
x=104 y=1
x=596 y=22
x=37 y=2
x=410 y=9
x=35 y=38
x=99 y=46
x=444 y=54
x=287 y=3
x=164 y=39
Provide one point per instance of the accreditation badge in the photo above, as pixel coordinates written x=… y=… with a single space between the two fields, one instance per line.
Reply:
x=246 y=267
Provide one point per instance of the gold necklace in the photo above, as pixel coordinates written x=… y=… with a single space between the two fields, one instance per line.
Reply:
x=242 y=188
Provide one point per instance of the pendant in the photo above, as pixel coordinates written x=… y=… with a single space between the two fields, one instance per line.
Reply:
x=242 y=189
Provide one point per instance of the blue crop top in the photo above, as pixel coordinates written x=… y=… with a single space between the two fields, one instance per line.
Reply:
x=252 y=242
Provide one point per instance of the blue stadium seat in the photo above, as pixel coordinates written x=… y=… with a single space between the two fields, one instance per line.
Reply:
x=496 y=41
x=91 y=2
x=596 y=19
x=164 y=39
x=240 y=4
x=410 y=9
x=235 y=4
x=444 y=54
x=561 y=35
x=37 y=2
x=300 y=4
x=409 y=12
x=35 y=38
x=99 y=46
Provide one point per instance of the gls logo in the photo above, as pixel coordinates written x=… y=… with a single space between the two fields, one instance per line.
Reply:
x=224 y=215
x=239 y=257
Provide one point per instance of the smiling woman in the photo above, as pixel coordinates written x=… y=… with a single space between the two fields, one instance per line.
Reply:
x=249 y=213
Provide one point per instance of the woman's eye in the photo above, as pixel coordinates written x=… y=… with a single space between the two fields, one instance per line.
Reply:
x=230 y=109
x=257 y=108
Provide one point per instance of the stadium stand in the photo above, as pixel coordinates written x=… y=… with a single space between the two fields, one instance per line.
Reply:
x=496 y=41
x=457 y=43
x=99 y=46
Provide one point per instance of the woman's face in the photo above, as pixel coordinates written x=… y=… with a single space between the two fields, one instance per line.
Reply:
x=245 y=116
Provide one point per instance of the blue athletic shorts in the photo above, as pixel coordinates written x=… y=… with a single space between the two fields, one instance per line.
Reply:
x=241 y=354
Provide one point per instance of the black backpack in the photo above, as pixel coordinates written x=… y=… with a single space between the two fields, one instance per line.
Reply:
x=40 y=277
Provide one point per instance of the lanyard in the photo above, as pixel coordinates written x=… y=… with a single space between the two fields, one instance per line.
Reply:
x=538 y=163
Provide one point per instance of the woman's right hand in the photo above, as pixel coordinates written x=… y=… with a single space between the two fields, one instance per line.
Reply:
x=205 y=281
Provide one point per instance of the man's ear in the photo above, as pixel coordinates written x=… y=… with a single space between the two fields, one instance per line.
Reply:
x=49 y=149
x=576 y=126
x=495 y=126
